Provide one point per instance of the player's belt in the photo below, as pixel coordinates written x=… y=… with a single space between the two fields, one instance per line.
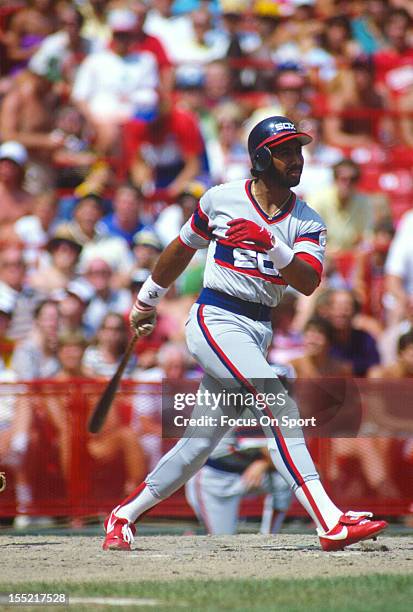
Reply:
x=252 y=310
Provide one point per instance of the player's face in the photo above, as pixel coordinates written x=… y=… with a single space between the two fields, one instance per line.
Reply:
x=288 y=161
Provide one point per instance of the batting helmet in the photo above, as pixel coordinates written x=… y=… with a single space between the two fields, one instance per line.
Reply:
x=271 y=131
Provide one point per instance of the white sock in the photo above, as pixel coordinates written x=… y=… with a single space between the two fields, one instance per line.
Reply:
x=319 y=506
x=19 y=442
x=23 y=496
x=136 y=506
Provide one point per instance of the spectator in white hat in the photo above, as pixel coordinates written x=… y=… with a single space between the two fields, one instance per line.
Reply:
x=64 y=251
x=146 y=248
x=73 y=302
x=15 y=201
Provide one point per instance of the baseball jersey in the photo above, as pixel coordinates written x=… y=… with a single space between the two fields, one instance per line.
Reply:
x=244 y=272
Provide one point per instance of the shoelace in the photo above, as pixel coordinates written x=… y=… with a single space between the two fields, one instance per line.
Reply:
x=363 y=516
x=127 y=533
x=353 y=514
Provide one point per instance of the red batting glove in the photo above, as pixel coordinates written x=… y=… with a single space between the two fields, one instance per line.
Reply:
x=242 y=230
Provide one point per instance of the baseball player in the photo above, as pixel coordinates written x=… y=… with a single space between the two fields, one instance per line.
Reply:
x=260 y=238
x=237 y=467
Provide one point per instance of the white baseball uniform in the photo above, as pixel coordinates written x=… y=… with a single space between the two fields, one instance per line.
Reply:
x=229 y=332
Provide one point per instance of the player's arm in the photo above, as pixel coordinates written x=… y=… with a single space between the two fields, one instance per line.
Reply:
x=169 y=266
x=172 y=263
x=195 y=234
x=300 y=275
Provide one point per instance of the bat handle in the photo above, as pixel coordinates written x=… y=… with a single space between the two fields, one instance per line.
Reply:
x=128 y=353
x=103 y=406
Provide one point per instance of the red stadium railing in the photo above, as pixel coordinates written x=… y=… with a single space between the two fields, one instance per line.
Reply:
x=363 y=448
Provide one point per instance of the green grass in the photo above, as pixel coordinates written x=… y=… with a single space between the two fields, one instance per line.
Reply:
x=375 y=593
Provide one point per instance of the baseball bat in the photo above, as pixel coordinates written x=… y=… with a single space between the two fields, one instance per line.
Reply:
x=102 y=407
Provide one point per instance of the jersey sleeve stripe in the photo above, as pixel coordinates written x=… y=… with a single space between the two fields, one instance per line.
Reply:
x=198 y=230
x=201 y=213
x=200 y=223
x=313 y=261
x=301 y=239
x=310 y=237
x=186 y=245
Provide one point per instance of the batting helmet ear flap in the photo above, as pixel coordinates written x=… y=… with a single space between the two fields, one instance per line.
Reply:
x=262 y=159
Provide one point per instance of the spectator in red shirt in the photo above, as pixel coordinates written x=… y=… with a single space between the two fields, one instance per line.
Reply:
x=164 y=153
x=394 y=63
x=368 y=281
x=406 y=121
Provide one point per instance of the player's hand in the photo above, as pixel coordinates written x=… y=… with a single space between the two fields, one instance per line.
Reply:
x=142 y=319
x=254 y=474
x=242 y=230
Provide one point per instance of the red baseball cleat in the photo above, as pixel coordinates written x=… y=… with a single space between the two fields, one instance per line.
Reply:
x=351 y=528
x=119 y=533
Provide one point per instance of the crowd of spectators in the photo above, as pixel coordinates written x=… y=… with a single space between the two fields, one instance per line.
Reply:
x=116 y=116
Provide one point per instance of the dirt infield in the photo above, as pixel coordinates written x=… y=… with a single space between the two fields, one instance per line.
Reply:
x=80 y=559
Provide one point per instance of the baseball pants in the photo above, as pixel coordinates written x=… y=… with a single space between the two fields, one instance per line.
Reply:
x=231 y=349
